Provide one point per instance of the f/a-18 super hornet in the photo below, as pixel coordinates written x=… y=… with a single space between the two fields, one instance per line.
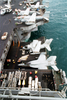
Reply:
x=42 y=62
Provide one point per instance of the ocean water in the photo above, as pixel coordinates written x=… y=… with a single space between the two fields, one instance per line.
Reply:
x=56 y=29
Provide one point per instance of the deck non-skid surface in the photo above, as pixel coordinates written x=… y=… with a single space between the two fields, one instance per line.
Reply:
x=7 y=23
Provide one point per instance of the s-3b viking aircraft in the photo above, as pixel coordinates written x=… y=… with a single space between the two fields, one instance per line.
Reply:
x=31 y=18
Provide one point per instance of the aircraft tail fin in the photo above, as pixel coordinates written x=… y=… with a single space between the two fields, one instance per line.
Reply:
x=31 y=20
x=8 y=4
x=55 y=68
x=51 y=59
x=27 y=11
x=48 y=41
x=47 y=44
x=37 y=5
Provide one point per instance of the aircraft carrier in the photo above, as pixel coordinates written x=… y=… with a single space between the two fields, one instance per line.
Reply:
x=18 y=79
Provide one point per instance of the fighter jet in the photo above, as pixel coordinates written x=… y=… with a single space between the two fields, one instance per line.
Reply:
x=36 y=45
x=42 y=62
x=6 y=9
x=32 y=18
x=27 y=19
x=25 y=12
x=22 y=12
x=39 y=6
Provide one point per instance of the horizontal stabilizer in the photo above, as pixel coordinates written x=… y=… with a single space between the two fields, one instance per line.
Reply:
x=47 y=44
x=55 y=68
x=47 y=19
x=8 y=4
x=48 y=47
x=48 y=41
x=51 y=60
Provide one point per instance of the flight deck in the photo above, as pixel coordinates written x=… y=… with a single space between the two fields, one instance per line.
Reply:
x=8 y=24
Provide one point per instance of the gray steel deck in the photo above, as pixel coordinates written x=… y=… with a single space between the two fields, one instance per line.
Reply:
x=7 y=23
